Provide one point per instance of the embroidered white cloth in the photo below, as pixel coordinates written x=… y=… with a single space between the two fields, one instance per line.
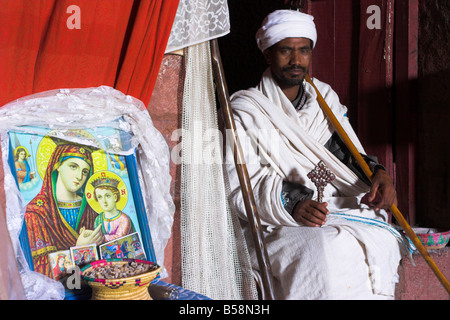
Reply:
x=282 y=24
x=344 y=259
x=198 y=21
x=212 y=242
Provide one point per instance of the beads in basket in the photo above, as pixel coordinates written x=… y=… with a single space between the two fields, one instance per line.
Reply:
x=126 y=270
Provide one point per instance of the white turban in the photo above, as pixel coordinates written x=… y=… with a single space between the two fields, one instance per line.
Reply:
x=282 y=24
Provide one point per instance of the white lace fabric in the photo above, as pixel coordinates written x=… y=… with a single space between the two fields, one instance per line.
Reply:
x=197 y=21
x=215 y=260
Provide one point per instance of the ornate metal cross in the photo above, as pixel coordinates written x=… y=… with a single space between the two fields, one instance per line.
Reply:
x=321 y=176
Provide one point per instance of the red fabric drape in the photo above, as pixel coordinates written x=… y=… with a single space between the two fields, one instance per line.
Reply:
x=146 y=48
x=120 y=43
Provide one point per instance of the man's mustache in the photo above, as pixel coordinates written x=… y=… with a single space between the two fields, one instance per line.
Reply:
x=295 y=67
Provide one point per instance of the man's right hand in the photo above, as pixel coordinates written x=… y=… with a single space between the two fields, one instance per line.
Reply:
x=310 y=213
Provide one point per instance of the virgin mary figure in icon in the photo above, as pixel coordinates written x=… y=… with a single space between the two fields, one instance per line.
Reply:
x=58 y=217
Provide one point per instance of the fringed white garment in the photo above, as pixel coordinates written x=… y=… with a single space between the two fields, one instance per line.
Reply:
x=215 y=261
x=355 y=255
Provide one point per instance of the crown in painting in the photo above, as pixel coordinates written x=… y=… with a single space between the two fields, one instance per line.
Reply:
x=105 y=181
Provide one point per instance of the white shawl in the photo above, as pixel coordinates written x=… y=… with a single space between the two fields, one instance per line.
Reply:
x=298 y=148
x=293 y=148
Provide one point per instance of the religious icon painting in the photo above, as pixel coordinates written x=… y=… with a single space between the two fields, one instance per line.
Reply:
x=129 y=246
x=60 y=263
x=82 y=255
x=79 y=187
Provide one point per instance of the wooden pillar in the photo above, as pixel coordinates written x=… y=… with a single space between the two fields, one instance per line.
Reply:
x=336 y=53
x=405 y=102
x=374 y=97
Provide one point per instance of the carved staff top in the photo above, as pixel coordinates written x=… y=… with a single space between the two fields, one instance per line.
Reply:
x=321 y=176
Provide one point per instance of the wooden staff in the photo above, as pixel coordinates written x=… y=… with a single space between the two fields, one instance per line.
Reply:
x=397 y=214
x=247 y=192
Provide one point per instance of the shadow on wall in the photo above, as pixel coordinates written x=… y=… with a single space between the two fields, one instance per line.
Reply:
x=433 y=156
x=242 y=61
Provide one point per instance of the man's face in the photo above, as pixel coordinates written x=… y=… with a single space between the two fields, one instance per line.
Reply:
x=289 y=61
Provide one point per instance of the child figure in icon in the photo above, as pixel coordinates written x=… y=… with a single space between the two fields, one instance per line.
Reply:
x=107 y=191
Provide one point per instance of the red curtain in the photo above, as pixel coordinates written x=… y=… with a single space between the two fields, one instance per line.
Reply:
x=119 y=43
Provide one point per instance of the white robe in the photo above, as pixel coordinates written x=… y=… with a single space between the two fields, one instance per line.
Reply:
x=355 y=255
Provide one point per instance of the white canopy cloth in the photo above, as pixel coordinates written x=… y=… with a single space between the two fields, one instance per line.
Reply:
x=80 y=109
x=356 y=253
x=198 y=21
x=215 y=261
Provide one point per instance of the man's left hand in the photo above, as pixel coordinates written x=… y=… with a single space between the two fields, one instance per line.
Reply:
x=382 y=183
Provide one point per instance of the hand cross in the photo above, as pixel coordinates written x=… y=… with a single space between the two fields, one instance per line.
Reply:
x=321 y=176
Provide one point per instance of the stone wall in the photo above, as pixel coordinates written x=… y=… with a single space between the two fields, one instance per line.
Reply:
x=165 y=109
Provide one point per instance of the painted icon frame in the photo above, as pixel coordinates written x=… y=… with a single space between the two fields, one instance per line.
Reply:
x=49 y=158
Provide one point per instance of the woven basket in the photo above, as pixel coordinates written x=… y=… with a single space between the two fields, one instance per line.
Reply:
x=130 y=288
x=432 y=238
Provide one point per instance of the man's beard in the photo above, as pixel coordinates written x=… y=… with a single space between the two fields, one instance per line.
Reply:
x=283 y=80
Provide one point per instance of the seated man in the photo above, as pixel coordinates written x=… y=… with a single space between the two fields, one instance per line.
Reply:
x=336 y=249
